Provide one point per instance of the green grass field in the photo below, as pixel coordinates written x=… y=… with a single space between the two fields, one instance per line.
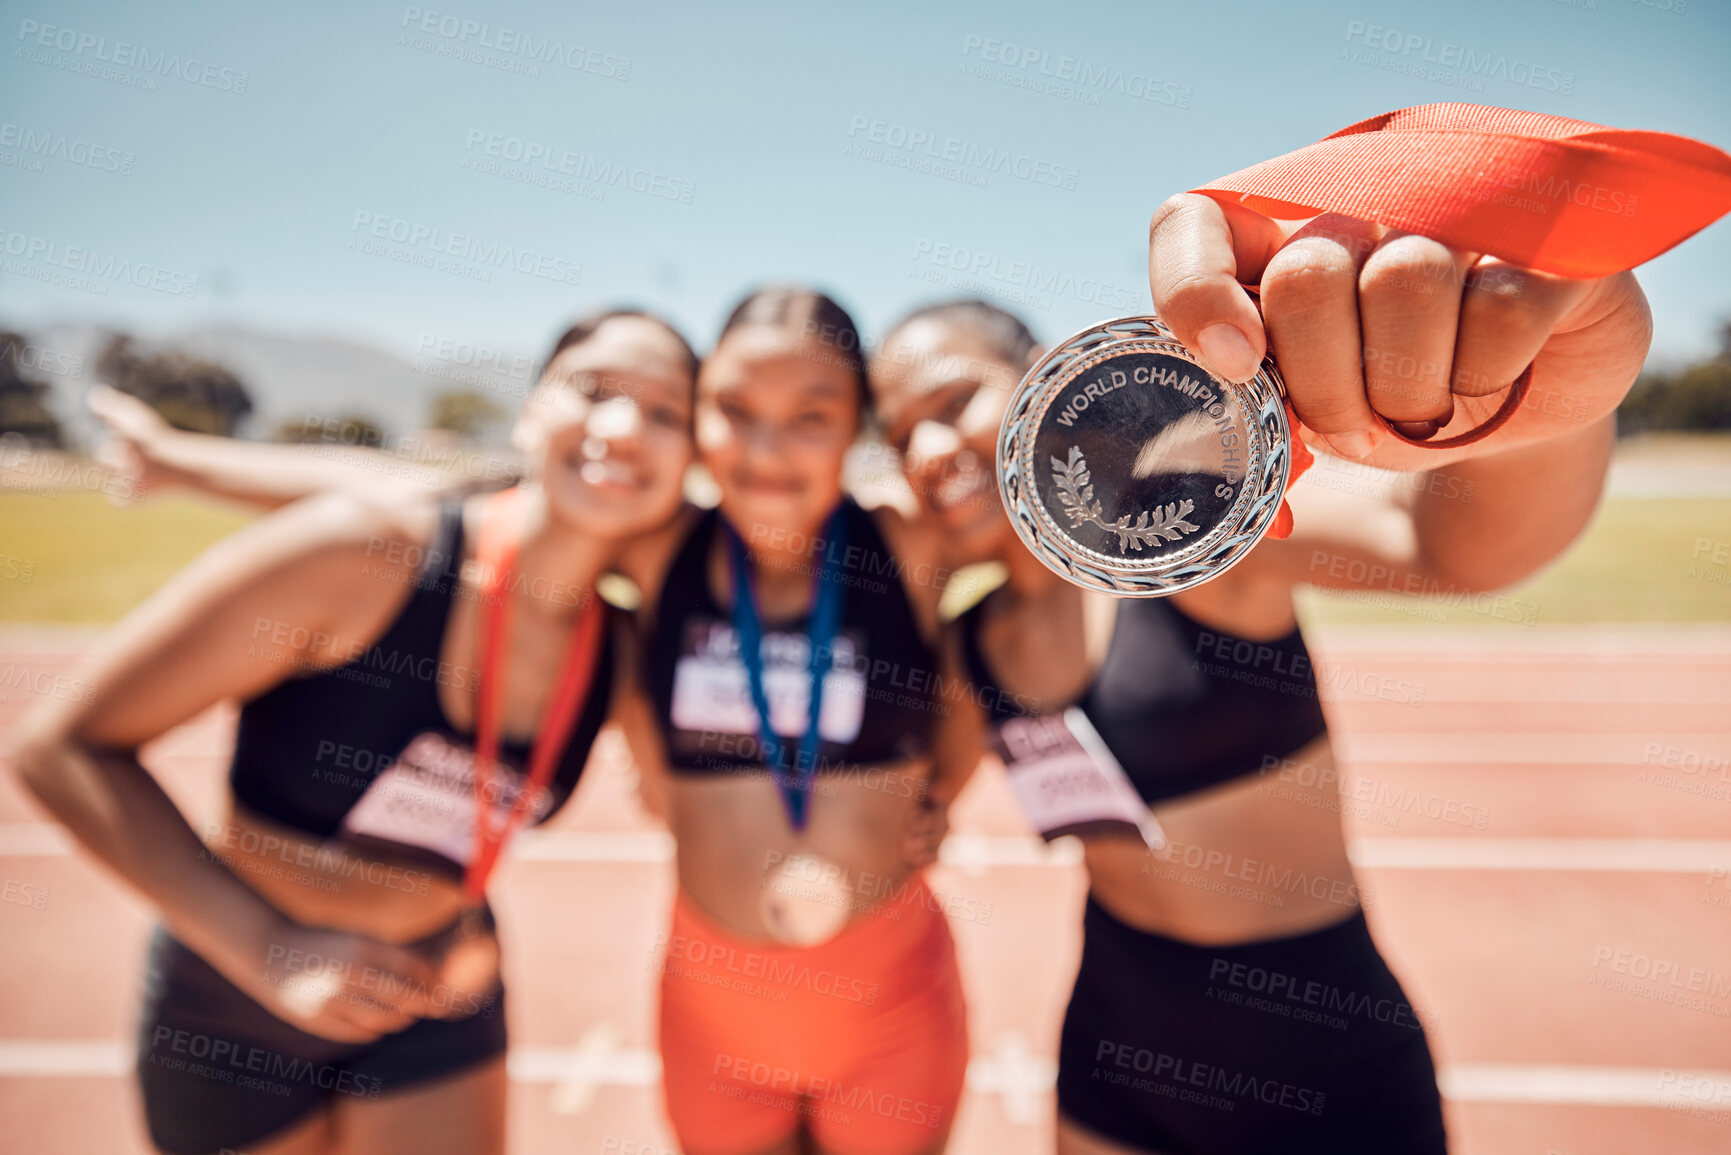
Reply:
x=1642 y=560
x=72 y=558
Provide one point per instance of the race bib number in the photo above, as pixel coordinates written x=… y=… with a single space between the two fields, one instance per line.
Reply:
x=424 y=803
x=1068 y=782
x=712 y=694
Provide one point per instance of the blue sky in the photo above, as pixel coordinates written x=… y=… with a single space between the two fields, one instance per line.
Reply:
x=750 y=135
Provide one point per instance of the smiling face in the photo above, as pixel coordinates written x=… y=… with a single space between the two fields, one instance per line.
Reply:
x=607 y=430
x=943 y=392
x=776 y=413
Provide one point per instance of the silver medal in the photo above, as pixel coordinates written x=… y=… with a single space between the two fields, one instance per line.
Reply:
x=1125 y=466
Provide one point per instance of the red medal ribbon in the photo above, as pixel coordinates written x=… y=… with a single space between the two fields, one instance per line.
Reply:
x=1465 y=174
x=1561 y=196
x=501 y=538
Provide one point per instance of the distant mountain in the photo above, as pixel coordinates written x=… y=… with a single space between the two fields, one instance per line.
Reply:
x=289 y=378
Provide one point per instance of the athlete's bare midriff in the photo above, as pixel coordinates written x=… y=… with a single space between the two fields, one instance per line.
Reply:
x=1259 y=857
x=735 y=841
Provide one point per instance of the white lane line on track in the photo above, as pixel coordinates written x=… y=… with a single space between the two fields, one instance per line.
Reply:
x=1660 y=855
x=1635 y=750
x=974 y=853
x=1011 y=1071
x=64 y=1058
x=34 y=840
x=1600 y=1086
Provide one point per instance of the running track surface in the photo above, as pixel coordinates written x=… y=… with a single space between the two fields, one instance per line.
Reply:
x=1542 y=820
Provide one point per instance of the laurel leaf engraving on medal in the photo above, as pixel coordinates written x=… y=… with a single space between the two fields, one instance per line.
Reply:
x=1166 y=524
x=1076 y=494
x=1076 y=489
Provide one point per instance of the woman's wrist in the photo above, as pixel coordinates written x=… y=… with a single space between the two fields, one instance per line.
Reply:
x=234 y=934
x=170 y=457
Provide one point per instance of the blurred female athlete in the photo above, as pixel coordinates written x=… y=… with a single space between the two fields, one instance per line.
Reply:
x=810 y=997
x=326 y=975
x=1202 y=699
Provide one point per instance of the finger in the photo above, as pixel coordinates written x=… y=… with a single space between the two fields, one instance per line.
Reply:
x=1507 y=314
x=118 y=455
x=379 y=1003
x=338 y=1029
x=407 y=979
x=1197 y=253
x=359 y=1013
x=1409 y=297
x=103 y=403
x=1310 y=305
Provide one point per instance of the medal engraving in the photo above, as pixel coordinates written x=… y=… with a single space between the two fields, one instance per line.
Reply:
x=1125 y=466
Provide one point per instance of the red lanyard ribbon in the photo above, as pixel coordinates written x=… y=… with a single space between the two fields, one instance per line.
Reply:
x=1544 y=192
x=501 y=538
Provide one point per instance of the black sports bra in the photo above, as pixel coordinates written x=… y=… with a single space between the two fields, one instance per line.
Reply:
x=880 y=700
x=1180 y=706
x=308 y=749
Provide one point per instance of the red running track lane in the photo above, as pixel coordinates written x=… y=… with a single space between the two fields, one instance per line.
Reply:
x=1541 y=818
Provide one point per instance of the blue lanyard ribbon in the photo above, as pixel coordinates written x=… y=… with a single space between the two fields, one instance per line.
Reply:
x=821 y=628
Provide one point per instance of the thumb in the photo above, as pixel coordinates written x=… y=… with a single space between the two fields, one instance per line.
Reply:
x=1198 y=253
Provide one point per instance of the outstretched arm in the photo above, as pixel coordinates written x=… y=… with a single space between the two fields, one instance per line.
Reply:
x=150 y=455
x=298 y=578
